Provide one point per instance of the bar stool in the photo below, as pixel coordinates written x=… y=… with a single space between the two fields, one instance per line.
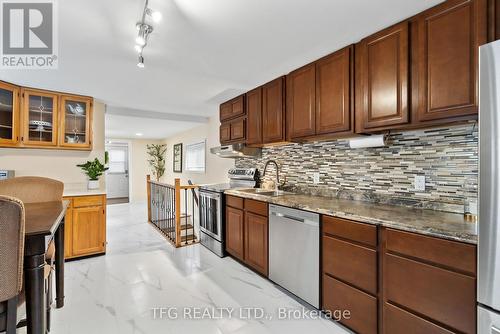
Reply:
x=11 y=261
x=34 y=189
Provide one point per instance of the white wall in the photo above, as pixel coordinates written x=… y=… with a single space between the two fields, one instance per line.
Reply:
x=216 y=168
x=57 y=164
x=138 y=166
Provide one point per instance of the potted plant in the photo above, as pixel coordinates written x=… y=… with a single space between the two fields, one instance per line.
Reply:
x=94 y=169
x=156 y=159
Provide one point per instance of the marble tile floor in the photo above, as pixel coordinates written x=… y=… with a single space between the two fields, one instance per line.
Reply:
x=118 y=292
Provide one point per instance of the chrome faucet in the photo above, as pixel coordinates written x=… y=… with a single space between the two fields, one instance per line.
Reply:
x=277 y=172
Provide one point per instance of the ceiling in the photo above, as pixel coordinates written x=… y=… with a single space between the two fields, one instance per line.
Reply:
x=202 y=53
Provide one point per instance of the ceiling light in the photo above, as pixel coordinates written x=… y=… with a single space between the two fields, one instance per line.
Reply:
x=140 y=64
x=144 y=30
x=138 y=134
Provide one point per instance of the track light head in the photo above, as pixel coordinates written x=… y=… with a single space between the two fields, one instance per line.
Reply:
x=140 y=63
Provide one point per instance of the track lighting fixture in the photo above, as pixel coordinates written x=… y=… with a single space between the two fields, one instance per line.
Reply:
x=144 y=30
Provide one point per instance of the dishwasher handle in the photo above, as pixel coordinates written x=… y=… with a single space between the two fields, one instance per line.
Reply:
x=277 y=214
x=294 y=219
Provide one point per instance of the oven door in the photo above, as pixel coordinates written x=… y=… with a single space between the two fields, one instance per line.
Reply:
x=211 y=214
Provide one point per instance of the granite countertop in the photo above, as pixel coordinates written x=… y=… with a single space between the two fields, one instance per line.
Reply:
x=80 y=189
x=440 y=224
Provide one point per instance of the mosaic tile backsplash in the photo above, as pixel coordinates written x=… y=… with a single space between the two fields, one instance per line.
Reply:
x=447 y=157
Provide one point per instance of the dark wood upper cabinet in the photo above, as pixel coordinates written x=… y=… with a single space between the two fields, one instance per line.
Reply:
x=233 y=108
x=254 y=116
x=238 y=130
x=225 y=133
x=493 y=20
x=273 y=111
x=445 y=41
x=301 y=102
x=233 y=131
x=334 y=84
x=382 y=71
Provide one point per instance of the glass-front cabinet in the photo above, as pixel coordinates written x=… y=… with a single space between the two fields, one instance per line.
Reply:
x=9 y=114
x=37 y=118
x=40 y=110
x=75 y=121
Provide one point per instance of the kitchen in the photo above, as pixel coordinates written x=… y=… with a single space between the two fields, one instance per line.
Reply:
x=348 y=188
x=393 y=214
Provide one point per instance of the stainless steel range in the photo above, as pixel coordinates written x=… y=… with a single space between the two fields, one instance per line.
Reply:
x=212 y=217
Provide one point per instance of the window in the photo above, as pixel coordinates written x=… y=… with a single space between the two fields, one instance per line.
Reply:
x=117 y=161
x=195 y=157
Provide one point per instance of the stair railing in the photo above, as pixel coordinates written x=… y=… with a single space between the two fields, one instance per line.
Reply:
x=173 y=210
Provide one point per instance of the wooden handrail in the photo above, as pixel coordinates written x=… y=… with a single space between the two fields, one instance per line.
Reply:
x=193 y=186
x=175 y=190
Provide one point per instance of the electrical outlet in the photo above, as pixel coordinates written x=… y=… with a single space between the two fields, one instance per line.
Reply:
x=420 y=182
x=315 y=178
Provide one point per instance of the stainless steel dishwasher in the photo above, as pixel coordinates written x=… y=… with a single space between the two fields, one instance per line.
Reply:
x=294 y=251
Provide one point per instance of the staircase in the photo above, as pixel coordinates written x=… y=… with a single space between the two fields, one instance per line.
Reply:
x=164 y=211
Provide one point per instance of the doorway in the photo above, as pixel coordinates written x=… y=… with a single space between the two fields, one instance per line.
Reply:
x=117 y=176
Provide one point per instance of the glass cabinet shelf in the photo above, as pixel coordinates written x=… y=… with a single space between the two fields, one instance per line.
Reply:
x=75 y=123
x=40 y=117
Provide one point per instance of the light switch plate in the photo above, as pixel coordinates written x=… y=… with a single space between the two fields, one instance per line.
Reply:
x=420 y=182
x=315 y=178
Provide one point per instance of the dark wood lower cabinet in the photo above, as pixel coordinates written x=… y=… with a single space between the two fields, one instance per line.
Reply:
x=350 y=272
x=395 y=282
x=338 y=296
x=256 y=242
x=234 y=232
x=428 y=284
x=439 y=294
x=351 y=263
x=397 y=320
x=247 y=232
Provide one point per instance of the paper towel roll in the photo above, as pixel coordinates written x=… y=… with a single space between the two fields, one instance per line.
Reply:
x=371 y=141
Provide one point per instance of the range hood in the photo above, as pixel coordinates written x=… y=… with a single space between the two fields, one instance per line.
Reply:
x=236 y=151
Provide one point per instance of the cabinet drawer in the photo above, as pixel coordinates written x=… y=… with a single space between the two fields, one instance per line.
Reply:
x=257 y=207
x=83 y=201
x=358 y=232
x=338 y=296
x=439 y=294
x=398 y=321
x=350 y=263
x=447 y=253
x=235 y=202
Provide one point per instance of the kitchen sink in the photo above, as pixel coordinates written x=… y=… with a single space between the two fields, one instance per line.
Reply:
x=266 y=192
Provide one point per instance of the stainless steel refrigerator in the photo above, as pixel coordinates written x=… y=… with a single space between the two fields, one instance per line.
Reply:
x=488 y=285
